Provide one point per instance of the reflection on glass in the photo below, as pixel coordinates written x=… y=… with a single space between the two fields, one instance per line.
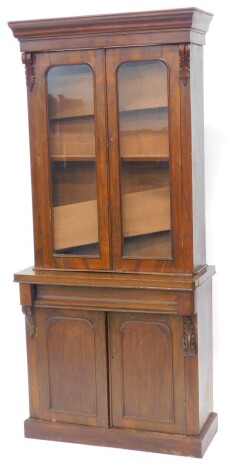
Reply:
x=144 y=152
x=73 y=163
x=71 y=112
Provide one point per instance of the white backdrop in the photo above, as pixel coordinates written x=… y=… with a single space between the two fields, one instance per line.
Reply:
x=17 y=242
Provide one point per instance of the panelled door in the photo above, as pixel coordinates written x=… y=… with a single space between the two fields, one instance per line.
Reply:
x=72 y=366
x=147 y=372
x=144 y=385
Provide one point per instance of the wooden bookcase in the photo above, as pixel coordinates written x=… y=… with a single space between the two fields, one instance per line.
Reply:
x=118 y=304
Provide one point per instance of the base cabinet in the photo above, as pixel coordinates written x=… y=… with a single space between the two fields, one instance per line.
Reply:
x=145 y=354
x=102 y=372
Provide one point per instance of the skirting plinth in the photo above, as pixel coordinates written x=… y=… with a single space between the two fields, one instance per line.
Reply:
x=194 y=446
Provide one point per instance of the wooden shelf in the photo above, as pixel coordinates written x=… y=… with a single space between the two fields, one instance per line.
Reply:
x=141 y=212
x=73 y=158
x=151 y=245
x=136 y=207
x=72 y=137
x=67 y=232
x=125 y=158
x=144 y=157
x=140 y=108
x=144 y=132
x=67 y=117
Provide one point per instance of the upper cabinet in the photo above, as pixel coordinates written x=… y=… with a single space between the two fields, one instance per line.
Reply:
x=116 y=136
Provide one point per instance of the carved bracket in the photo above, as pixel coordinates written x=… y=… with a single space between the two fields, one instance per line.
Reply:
x=184 y=72
x=28 y=61
x=30 y=321
x=189 y=336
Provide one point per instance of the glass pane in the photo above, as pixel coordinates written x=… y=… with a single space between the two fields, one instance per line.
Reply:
x=144 y=154
x=73 y=162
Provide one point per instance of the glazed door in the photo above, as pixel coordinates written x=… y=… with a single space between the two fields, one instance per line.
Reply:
x=145 y=157
x=147 y=372
x=72 y=373
x=72 y=227
x=77 y=216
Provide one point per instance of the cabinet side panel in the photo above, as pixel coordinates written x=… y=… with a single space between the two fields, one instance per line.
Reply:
x=205 y=350
x=32 y=365
x=186 y=155
x=197 y=130
x=27 y=294
x=36 y=121
x=191 y=395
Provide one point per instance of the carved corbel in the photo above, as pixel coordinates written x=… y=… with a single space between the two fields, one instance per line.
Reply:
x=189 y=336
x=184 y=71
x=28 y=61
x=29 y=320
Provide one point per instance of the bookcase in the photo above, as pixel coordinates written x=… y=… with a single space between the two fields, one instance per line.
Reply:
x=118 y=304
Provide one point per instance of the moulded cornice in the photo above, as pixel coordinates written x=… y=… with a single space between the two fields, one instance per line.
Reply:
x=173 y=21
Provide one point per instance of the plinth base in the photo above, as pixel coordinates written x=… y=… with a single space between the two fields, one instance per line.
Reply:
x=194 y=446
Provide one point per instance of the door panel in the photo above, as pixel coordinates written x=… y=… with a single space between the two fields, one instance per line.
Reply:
x=72 y=366
x=147 y=372
x=145 y=206
x=154 y=341
x=72 y=152
x=71 y=355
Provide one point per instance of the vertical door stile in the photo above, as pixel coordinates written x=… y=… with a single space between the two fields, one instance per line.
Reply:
x=108 y=366
x=108 y=145
x=114 y=162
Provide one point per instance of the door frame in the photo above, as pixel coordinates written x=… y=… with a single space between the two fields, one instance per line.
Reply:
x=170 y=56
x=40 y=162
